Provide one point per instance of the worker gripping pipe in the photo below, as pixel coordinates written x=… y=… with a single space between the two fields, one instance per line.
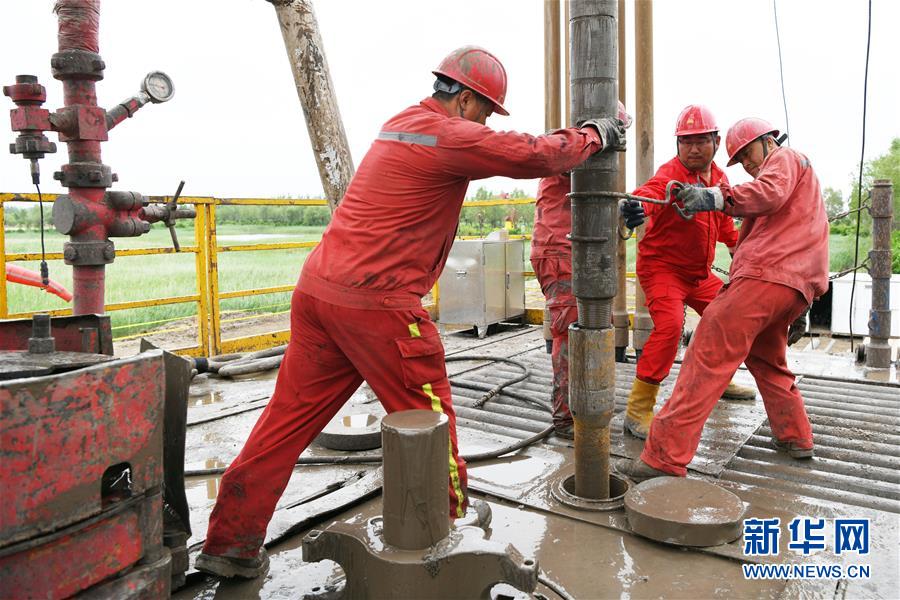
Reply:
x=594 y=93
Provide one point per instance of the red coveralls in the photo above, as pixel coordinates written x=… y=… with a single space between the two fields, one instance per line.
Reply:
x=356 y=312
x=780 y=266
x=673 y=265
x=551 y=257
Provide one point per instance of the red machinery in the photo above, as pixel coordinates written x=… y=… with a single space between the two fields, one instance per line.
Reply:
x=93 y=448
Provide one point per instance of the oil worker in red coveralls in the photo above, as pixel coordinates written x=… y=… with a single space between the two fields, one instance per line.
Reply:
x=356 y=312
x=779 y=267
x=673 y=266
x=674 y=260
x=551 y=257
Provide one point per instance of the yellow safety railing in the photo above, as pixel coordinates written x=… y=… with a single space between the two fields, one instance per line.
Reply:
x=208 y=296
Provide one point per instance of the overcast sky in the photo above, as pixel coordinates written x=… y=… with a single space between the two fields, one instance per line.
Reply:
x=235 y=127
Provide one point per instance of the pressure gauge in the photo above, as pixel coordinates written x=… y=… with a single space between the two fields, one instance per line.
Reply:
x=158 y=86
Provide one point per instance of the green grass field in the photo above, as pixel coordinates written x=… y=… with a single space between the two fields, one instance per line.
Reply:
x=145 y=277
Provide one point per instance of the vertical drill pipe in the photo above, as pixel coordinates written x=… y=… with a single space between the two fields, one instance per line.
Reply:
x=79 y=24
x=416 y=504
x=878 y=352
x=643 y=66
x=593 y=84
x=312 y=78
x=620 y=305
x=552 y=86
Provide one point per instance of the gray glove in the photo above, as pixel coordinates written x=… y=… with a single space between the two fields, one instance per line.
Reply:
x=701 y=199
x=611 y=130
x=797 y=328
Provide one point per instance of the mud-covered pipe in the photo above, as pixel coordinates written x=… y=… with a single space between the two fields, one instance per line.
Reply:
x=317 y=97
x=593 y=83
x=594 y=93
x=552 y=87
x=620 y=305
x=878 y=352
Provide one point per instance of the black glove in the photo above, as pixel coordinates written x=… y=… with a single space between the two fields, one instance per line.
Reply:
x=701 y=199
x=612 y=132
x=797 y=329
x=633 y=213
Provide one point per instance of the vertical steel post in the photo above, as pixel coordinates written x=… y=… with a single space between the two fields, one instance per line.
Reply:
x=202 y=267
x=620 y=305
x=552 y=100
x=212 y=259
x=594 y=93
x=552 y=86
x=878 y=352
x=316 y=92
x=643 y=66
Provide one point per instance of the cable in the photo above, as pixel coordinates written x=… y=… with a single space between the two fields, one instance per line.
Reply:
x=45 y=270
x=862 y=155
x=787 y=127
x=554 y=587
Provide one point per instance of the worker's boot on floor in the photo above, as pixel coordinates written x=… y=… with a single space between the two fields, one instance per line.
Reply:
x=738 y=392
x=637 y=470
x=639 y=412
x=478 y=515
x=794 y=449
x=228 y=567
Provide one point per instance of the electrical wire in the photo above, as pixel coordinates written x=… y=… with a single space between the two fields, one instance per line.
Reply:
x=862 y=155
x=787 y=127
x=45 y=270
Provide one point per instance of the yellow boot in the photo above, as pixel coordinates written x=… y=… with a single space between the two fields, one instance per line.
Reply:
x=639 y=411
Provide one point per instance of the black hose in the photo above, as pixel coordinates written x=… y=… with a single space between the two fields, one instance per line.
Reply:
x=526 y=372
x=554 y=587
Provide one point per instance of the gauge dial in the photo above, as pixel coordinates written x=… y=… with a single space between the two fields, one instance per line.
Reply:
x=158 y=86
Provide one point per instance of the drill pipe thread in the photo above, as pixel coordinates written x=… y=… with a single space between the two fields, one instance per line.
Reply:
x=594 y=313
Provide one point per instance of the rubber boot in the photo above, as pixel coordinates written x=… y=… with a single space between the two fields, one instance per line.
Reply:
x=228 y=567
x=637 y=470
x=639 y=411
x=738 y=392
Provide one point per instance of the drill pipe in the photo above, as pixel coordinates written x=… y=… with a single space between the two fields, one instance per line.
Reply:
x=878 y=353
x=593 y=83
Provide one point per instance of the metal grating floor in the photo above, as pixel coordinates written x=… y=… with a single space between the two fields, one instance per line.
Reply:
x=856 y=427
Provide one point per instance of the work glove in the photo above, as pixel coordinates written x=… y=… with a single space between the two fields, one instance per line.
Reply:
x=633 y=213
x=701 y=199
x=612 y=132
x=797 y=328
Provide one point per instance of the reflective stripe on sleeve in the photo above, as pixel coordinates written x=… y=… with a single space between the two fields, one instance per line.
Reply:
x=409 y=138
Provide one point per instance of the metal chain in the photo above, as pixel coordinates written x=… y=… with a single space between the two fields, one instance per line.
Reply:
x=720 y=270
x=847 y=213
x=863 y=264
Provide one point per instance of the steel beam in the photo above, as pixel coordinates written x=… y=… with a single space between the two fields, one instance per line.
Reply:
x=643 y=67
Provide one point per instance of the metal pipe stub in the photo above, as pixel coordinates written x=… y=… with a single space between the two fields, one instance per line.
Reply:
x=416 y=505
x=878 y=352
x=592 y=388
x=563 y=491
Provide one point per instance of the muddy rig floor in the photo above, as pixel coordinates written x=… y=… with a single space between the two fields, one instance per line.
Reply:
x=855 y=475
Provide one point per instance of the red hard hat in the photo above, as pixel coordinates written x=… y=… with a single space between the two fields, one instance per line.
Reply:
x=695 y=119
x=745 y=131
x=478 y=70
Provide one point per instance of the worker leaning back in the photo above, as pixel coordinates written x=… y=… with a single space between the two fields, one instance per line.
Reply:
x=356 y=312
